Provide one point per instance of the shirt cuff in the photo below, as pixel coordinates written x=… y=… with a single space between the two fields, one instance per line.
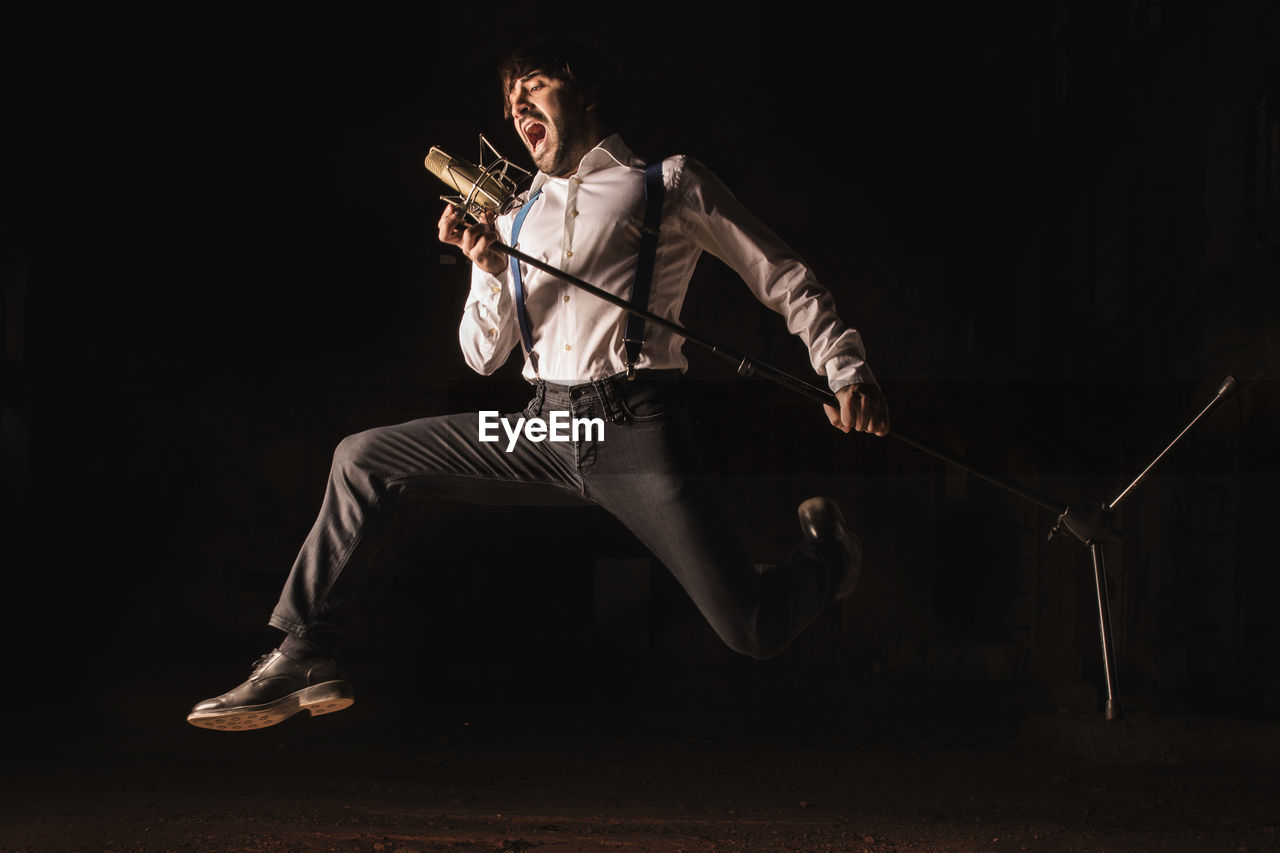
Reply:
x=487 y=288
x=845 y=370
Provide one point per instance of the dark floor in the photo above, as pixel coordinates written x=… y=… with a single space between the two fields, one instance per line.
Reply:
x=700 y=763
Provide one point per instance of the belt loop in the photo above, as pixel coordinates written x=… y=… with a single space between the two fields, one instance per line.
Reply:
x=612 y=408
x=542 y=395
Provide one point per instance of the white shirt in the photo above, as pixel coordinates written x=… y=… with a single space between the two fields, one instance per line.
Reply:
x=588 y=225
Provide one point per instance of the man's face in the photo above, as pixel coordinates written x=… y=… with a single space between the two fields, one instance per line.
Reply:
x=552 y=122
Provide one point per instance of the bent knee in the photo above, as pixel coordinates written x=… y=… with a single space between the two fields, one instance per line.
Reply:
x=357 y=451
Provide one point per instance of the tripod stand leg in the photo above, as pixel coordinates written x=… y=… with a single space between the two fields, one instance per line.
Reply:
x=1113 y=710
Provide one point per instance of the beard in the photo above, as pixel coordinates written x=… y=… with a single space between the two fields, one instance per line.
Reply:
x=565 y=141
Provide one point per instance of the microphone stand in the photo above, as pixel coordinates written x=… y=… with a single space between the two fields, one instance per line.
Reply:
x=1089 y=523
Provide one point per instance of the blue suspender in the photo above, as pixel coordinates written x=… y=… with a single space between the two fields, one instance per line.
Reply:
x=633 y=337
x=522 y=316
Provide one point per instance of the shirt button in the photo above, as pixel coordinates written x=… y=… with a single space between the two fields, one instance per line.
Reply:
x=577 y=180
x=496 y=289
x=573 y=213
x=491 y=332
x=569 y=254
x=566 y=297
x=568 y=347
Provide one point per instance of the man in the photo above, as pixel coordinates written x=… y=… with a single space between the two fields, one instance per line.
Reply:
x=585 y=213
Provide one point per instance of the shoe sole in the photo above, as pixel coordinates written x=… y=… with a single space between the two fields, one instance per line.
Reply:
x=318 y=699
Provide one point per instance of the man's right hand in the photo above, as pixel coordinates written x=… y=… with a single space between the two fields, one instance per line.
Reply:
x=475 y=240
x=863 y=408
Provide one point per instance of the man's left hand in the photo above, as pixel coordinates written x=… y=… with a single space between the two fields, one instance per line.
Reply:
x=862 y=408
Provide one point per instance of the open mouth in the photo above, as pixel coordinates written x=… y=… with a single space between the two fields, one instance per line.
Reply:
x=536 y=133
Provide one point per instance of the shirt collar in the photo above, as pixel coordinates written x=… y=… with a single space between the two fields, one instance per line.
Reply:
x=610 y=151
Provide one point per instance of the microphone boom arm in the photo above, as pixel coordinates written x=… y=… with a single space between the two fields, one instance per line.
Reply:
x=747 y=366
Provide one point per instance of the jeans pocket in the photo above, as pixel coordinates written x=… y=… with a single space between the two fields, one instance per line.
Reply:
x=646 y=402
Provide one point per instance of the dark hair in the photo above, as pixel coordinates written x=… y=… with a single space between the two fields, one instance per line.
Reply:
x=572 y=62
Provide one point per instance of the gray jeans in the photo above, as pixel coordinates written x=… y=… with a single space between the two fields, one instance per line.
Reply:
x=645 y=472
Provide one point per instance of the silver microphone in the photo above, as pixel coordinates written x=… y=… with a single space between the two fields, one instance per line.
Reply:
x=481 y=189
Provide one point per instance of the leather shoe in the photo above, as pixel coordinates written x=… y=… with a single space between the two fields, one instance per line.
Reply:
x=278 y=688
x=823 y=524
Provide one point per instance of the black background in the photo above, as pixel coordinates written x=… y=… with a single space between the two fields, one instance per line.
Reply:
x=220 y=258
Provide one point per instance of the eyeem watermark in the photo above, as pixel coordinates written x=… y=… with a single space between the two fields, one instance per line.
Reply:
x=560 y=427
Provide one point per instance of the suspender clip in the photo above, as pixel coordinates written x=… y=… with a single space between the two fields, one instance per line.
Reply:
x=632 y=352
